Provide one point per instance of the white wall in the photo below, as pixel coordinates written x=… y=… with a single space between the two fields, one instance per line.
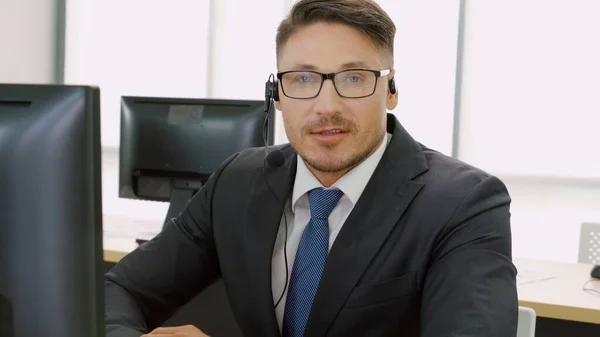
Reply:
x=136 y=48
x=27 y=41
x=529 y=114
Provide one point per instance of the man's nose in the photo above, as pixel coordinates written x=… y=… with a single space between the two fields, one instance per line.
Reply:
x=326 y=102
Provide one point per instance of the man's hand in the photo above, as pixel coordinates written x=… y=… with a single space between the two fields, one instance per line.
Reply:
x=177 y=331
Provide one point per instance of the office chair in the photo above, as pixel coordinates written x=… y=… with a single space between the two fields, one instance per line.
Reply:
x=589 y=243
x=526 y=325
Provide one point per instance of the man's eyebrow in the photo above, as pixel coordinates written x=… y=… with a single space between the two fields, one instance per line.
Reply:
x=347 y=65
x=355 y=64
x=304 y=66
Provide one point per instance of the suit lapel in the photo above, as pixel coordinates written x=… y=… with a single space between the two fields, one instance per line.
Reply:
x=384 y=200
x=262 y=219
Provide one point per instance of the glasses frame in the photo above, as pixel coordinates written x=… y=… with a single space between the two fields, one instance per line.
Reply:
x=331 y=76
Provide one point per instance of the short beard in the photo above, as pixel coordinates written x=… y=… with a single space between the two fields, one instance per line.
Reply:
x=345 y=165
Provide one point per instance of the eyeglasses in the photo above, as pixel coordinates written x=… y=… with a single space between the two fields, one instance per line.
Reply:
x=351 y=83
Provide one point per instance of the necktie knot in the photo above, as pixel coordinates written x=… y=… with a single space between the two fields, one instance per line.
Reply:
x=323 y=201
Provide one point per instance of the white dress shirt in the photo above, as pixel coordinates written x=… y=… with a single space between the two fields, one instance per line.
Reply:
x=297 y=215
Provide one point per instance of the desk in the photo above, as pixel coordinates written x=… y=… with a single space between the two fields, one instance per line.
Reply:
x=210 y=309
x=561 y=297
x=113 y=256
x=121 y=232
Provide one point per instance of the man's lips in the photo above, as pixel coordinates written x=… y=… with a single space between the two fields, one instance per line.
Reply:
x=329 y=131
x=329 y=135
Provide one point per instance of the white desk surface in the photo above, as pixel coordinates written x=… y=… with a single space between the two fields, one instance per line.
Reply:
x=561 y=297
x=121 y=232
x=552 y=289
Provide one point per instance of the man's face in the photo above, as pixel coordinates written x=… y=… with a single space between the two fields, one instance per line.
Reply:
x=332 y=133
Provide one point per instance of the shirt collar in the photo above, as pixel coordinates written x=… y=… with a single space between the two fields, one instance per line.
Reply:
x=351 y=184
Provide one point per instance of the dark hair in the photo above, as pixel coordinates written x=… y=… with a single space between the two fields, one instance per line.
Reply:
x=366 y=16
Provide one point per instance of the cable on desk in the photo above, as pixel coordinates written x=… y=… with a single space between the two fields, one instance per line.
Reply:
x=589 y=290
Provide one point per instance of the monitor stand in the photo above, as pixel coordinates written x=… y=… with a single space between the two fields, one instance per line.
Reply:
x=178 y=201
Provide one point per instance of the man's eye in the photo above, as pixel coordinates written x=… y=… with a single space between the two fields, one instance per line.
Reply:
x=304 y=79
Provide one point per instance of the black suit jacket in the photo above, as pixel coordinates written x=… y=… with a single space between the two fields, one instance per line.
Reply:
x=425 y=252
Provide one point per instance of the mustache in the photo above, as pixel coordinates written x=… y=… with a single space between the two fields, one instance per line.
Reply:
x=336 y=121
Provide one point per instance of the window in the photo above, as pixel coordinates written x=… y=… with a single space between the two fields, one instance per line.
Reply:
x=137 y=47
x=425 y=61
x=530 y=115
x=242 y=52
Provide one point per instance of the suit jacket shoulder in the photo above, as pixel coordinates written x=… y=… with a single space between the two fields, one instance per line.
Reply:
x=451 y=179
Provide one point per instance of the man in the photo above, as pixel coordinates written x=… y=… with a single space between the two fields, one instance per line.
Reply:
x=359 y=230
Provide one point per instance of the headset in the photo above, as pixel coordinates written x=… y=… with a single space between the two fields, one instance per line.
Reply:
x=276 y=158
x=273 y=160
x=392 y=86
x=271 y=90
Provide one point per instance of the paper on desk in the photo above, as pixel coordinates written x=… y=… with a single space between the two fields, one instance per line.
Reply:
x=138 y=229
x=119 y=244
x=534 y=275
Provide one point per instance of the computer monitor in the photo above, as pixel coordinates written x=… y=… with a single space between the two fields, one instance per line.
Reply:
x=170 y=146
x=51 y=276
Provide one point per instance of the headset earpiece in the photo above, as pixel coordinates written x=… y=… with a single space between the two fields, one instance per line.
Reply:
x=275 y=85
x=271 y=91
x=392 y=85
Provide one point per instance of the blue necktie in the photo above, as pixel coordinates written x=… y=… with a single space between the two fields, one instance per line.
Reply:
x=311 y=257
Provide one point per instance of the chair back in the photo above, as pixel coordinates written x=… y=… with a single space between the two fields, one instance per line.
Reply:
x=526 y=326
x=589 y=243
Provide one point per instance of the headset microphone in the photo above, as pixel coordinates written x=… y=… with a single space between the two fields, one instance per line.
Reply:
x=274 y=159
x=269 y=98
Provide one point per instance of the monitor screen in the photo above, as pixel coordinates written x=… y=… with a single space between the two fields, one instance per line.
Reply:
x=51 y=256
x=170 y=146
